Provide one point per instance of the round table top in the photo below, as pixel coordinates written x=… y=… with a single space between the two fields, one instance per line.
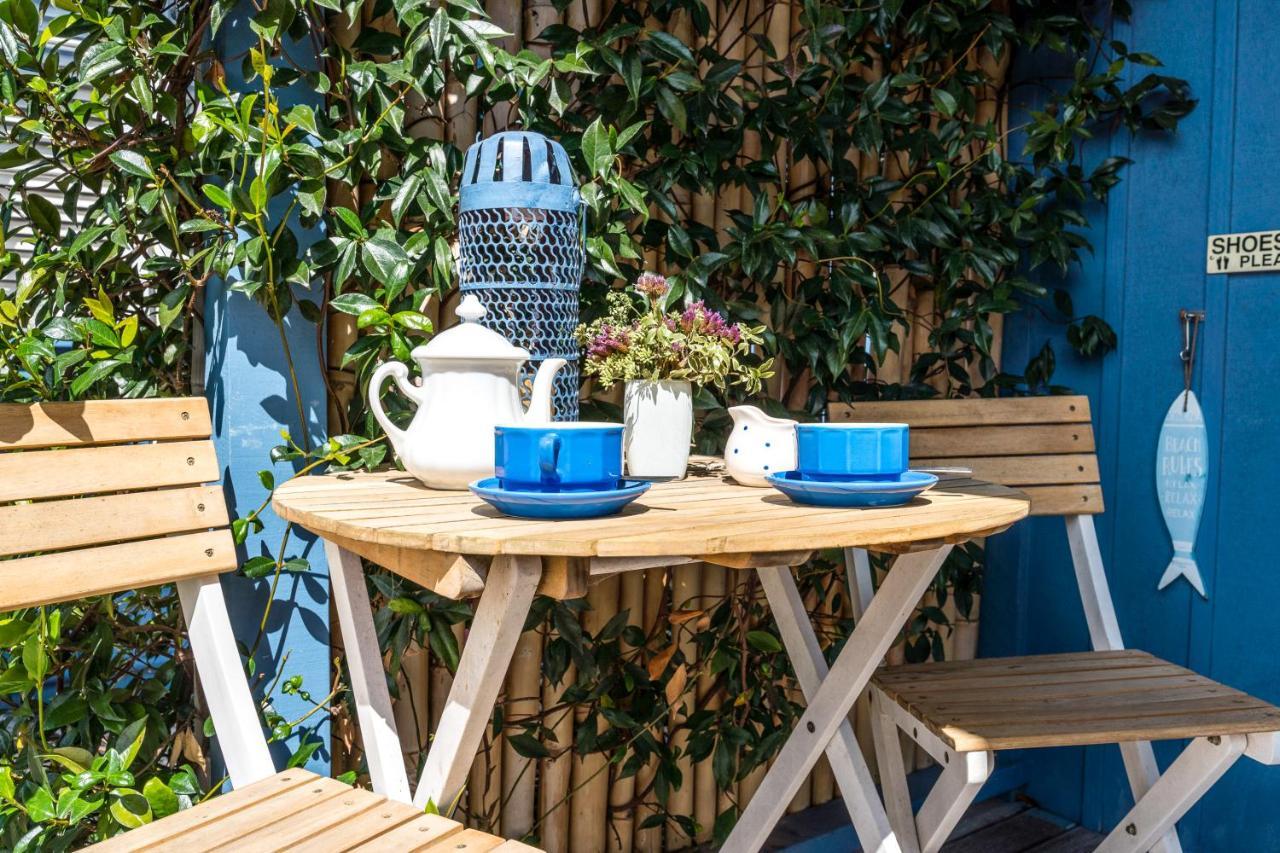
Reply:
x=698 y=516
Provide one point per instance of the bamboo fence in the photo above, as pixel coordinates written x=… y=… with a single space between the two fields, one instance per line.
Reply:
x=581 y=805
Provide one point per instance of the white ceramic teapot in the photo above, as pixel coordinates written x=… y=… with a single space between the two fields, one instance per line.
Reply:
x=758 y=446
x=470 y=384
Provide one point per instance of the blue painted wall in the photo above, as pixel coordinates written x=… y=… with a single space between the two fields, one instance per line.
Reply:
x=1217 y=174
x=252 y=400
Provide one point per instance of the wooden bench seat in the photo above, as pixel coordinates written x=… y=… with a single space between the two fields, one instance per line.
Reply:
x=298 y=810
x=1074 y=699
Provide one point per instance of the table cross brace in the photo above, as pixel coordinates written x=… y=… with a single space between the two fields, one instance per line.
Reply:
x=829 y=705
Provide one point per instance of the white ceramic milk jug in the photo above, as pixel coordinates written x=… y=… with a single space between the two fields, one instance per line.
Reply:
x=759 y=445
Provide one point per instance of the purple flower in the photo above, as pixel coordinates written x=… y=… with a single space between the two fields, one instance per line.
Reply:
x=696 y=319
x=608 y=341
x=652 y=286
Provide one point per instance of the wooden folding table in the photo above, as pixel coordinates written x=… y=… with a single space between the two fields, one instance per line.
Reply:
x=458 y=546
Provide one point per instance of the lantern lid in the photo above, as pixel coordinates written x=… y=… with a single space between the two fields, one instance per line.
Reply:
x=518 y=168
x=470 y=340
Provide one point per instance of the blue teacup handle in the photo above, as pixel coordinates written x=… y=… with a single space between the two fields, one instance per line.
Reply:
x=549 y=456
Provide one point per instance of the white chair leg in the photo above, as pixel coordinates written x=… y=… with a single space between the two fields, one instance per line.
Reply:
x=1192 y=774
x=857 y=788
x=871 y=638
x=951 y=797
x=1104 y=631
x=498 y=624
x=893 y=773
x=368 y=677
x=226 y=689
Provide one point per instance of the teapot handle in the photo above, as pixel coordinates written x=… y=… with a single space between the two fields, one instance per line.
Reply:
x=400 y=373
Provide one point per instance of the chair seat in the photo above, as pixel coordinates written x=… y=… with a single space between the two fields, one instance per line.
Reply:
x=1069 y=700
x=298 y=810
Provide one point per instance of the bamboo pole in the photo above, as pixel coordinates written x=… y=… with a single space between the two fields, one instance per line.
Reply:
x=556 y=771
x=587 y=825
x=649 y=840
x=484 y=788
x=519 y=777
x=412 y=710
x=706 y=801
x=681 y=800
x=509 y=15
x=538 y=15
x=966 y=635
x=622 y=792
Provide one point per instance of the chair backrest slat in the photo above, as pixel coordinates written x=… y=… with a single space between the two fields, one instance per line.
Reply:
x=102 y=422
x=105 y=496
x=40 y=474
x=67 y=575
x=43 y=526
x=1041 y=445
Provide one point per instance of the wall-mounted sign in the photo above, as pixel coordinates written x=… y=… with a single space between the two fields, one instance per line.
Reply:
x=1255 y=251
x=1182 y=476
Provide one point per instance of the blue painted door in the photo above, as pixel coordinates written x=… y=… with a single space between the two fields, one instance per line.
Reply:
x=1216 y=174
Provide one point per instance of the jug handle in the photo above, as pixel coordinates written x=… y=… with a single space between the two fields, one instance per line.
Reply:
x=400 y=373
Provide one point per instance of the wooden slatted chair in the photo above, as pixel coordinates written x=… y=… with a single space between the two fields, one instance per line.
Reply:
x=963 y=712
x=106 y=496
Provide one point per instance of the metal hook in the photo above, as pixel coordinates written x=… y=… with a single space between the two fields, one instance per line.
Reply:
x=1190 y=334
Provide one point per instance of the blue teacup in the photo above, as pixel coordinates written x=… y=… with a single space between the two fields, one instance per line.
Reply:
x=849 y=451
x=560 y=457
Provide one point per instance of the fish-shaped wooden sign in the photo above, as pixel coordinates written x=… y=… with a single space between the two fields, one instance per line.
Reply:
x=1182 y=476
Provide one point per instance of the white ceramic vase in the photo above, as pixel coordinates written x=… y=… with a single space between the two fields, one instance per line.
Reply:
x=658 y=418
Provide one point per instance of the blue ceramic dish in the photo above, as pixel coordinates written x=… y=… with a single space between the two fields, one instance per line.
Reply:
x=852 y=493
x=575 y=456
x=844 y=451
x=557 y=505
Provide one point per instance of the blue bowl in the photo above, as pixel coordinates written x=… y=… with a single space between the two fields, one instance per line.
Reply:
x=852 y=493
x=575 y=456
x=844 y=451
x=558 y=505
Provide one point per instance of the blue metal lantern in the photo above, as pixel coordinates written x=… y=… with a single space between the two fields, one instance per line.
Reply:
x=520 y=241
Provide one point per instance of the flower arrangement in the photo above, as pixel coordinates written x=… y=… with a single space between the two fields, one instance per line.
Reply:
x=696 y=345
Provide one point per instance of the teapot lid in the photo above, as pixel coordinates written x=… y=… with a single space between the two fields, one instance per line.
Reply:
x=469 y=339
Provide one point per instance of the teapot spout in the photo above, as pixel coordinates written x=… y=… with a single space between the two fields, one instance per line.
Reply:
x=540 y=399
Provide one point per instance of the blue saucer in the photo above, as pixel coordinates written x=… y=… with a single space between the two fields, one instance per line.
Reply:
x=852 y=493
x=578 y=504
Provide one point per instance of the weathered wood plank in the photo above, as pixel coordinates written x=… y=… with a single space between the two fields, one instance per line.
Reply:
x=1019 y=471
x=55 y=525
x=265 y=798
x=695 y=517
x=968 y=412
x=1020 y=703
x=948 y=442
x=67 y=575
x=94 y=470
x=102 y=422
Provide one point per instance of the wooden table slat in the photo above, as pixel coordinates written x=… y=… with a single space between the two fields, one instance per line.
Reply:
x=704 y=515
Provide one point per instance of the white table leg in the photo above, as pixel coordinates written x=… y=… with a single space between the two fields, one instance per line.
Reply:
x=871 y=638
x=857 y=563
x=856 y=785
x=226 y=689
x=491 y=642
x=368 y=675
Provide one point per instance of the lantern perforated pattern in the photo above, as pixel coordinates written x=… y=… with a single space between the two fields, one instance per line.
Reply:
x=520 y=251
